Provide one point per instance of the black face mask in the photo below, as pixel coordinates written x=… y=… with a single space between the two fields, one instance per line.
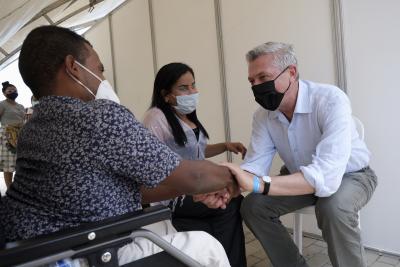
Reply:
x=266 y=95
x=12 y=95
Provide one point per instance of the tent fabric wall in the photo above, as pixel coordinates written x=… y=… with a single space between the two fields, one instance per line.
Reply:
x=373 y=61
x=19 y=17
x=15 y=14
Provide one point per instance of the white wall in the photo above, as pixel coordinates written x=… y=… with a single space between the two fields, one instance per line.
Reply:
x=185 y=30
x=373 y=63
x=247 y=24
x=100 y=37
x=133 y=55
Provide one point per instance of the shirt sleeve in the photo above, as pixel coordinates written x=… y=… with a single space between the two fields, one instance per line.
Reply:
x=332 y=154
x=157 y=123
x=261 y=150
x=130 y=150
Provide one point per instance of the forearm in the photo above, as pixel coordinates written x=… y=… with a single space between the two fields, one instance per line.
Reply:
x=289 y=185
x=160 y=193
x=286 y=185
x=215 y=149
x=200 y=176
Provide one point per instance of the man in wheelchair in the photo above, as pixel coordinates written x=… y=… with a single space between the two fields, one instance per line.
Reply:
x=83 y=157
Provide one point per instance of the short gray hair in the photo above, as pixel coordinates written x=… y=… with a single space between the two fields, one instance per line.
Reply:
x=283 y=54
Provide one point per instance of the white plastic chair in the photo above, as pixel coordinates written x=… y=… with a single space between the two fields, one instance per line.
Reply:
x=298 y=214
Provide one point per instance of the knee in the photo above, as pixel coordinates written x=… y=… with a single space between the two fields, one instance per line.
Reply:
x=212 y=243
x=331 y=211
x=326 y=208
x=213 y=254
x=254 y=205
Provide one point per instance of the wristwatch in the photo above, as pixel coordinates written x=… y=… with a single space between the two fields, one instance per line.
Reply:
x=267 y=183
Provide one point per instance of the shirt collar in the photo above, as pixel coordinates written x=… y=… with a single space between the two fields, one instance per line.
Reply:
x=303 y=99
x=302 y=102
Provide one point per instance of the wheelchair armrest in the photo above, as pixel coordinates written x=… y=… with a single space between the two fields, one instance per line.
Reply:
x=86 y=234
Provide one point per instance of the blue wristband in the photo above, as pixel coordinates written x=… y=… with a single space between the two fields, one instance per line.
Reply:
x=256 y=184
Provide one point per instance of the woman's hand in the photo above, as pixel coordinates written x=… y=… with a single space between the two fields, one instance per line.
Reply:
x=236 y=147
x=214 y=200
x=244 y=179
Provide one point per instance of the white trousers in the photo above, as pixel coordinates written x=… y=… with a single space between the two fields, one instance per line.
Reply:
x=199 y=245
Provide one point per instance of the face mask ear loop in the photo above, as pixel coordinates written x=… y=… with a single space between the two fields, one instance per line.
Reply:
x=281 y=73
x=80 y=83
x=290 y=83
x=83 y=67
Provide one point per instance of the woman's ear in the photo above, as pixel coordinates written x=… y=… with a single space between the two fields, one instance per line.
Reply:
x=165 y=95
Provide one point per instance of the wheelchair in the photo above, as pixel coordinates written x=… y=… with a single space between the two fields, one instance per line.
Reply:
x=97 y=242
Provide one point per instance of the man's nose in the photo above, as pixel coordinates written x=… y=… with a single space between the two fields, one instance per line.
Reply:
x=256 y=82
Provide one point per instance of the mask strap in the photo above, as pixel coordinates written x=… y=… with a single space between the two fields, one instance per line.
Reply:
x=83 y=67
x=281 y=73
x=79 y=82
x=287 y=88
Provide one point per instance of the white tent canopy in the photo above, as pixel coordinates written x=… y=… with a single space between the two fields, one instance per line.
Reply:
x=19 y=17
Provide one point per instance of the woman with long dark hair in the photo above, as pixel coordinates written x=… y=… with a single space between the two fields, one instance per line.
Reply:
x=172 y=118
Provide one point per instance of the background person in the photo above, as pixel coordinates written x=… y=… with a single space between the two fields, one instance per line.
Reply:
x=11 y=118
x=29 y=111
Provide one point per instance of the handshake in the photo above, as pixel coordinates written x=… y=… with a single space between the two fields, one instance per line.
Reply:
x=243 y=181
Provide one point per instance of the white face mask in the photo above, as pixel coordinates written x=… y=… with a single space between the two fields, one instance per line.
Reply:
x=186 y=103
x=104 y=91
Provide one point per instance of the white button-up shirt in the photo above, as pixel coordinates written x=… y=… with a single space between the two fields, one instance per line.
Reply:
x=321 y=141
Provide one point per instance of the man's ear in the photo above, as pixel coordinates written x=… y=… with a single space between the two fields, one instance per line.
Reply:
x=71 y=66
x=293 y=71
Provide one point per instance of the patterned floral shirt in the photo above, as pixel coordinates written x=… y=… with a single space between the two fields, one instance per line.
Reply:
x=80 y=162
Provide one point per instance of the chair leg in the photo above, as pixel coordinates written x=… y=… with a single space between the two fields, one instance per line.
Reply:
x=298 y=231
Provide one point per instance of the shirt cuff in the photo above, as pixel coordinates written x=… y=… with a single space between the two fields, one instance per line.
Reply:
x=316 y=179
x=252 y=169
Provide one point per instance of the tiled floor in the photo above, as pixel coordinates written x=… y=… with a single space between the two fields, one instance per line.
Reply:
x=314 y=251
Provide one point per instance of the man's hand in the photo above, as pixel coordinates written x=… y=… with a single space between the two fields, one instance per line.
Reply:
x=244 y=178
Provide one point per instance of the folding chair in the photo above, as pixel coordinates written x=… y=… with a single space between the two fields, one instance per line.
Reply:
x=98 y=242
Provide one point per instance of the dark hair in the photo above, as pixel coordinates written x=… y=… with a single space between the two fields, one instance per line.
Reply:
x=166 y=77
x=43 y=53
x=6 y=85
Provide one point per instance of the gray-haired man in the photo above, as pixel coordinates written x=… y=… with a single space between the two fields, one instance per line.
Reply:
x=310 y=125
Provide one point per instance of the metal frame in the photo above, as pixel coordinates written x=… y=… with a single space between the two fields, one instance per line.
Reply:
x=222 y=74
x=43 y=13
x=338 y=36
x=153 y=37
